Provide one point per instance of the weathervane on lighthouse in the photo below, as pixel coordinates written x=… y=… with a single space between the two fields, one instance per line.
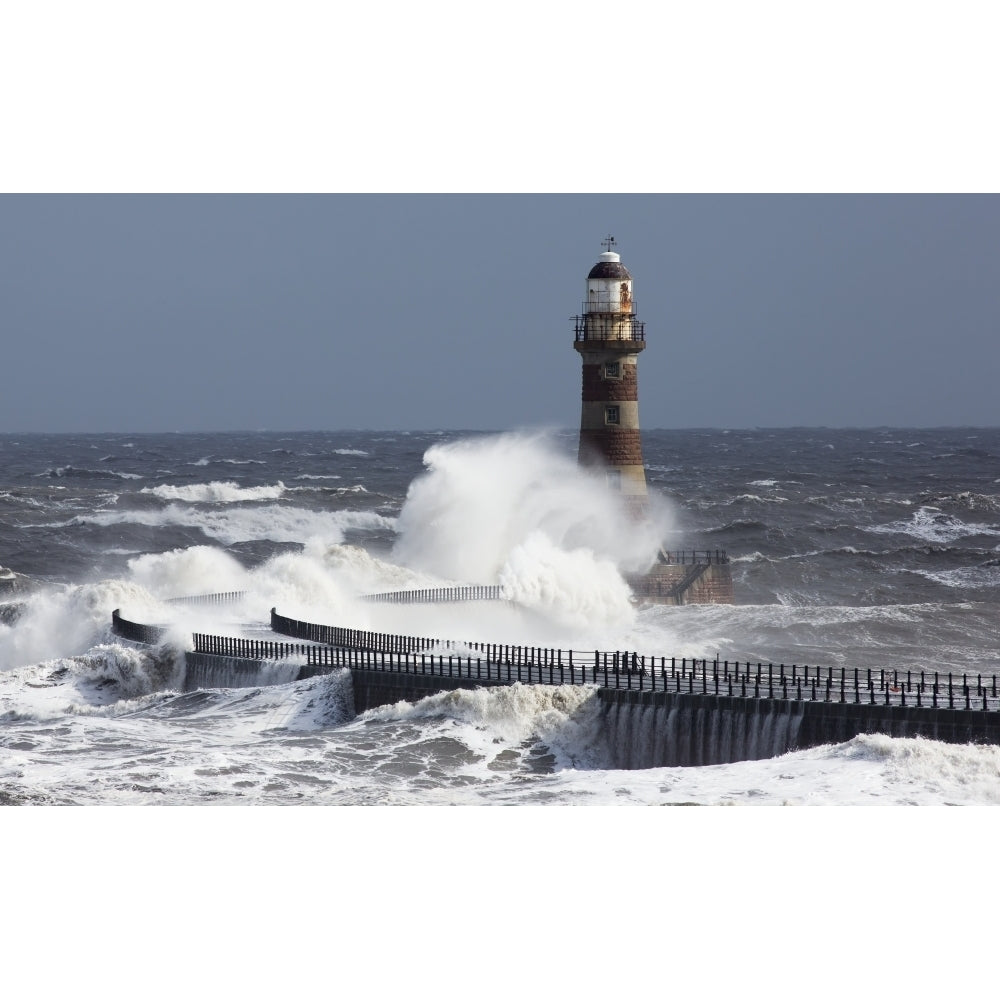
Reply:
x=609 y=339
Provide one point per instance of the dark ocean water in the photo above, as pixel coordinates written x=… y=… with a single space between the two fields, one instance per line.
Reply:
x=859 y=548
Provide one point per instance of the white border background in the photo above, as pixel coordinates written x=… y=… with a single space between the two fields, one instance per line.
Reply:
x=554 y=902
x=214 y=95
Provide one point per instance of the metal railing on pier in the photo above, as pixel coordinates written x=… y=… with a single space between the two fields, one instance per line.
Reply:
x=438 y=595
x=230 y=597
x=692 y=557
x=618 y=669
x=247 y=649
x=624 y=670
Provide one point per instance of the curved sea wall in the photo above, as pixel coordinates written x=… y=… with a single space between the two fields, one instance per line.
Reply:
x=662 y=729
x=656 y=716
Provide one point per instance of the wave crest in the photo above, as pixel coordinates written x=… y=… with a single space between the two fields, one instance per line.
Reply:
x=567 y=719
x=216 y=492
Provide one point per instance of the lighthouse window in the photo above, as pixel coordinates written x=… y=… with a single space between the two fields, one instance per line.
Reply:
x=611 y=415
x=613 y=369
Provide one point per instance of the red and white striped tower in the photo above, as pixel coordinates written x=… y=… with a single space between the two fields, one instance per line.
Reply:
x=609 y=339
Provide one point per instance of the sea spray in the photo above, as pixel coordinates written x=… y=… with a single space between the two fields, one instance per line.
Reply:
x=574 y=588
x=482 y=500
x=301 y=586
x=364 y=573
x=67 y=621
x=199 y=569
x=291 y=581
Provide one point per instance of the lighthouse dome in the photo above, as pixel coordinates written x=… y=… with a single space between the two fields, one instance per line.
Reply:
x=609 y=265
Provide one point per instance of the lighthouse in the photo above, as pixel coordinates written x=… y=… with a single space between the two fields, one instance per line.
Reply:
x=609 y=339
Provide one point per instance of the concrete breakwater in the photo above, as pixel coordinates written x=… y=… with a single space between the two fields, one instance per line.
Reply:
x=659 y=711
x=682 y=577
x=644 y=728
x=658 y=729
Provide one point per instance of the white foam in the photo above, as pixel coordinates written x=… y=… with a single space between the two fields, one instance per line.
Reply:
x=295 y=706
x=754 y=498
x=929 y=524
x=210 y=459
x=567 y=719
x=928 y=772
x=867 y=770
x=965 y=577
x=217 y=492
x=242 y=524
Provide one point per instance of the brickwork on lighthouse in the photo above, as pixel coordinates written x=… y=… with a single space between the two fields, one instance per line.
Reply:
x=618 y=447
x=600 y=389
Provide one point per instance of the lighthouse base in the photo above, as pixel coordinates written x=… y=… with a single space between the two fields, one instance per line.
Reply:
x=685 y=578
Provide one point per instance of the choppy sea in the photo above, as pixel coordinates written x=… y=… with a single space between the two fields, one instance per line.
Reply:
x=866 y=548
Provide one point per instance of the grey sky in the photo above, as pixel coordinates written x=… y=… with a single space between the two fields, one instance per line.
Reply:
x=284 y=312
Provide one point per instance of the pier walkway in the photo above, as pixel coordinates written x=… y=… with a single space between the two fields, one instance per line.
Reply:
x=710 y=710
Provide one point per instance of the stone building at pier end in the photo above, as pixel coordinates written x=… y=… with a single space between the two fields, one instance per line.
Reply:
x=609 y=338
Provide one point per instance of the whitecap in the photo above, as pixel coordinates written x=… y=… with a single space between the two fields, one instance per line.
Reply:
x=930 y=524
x=231 y=525
x=217 y=492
